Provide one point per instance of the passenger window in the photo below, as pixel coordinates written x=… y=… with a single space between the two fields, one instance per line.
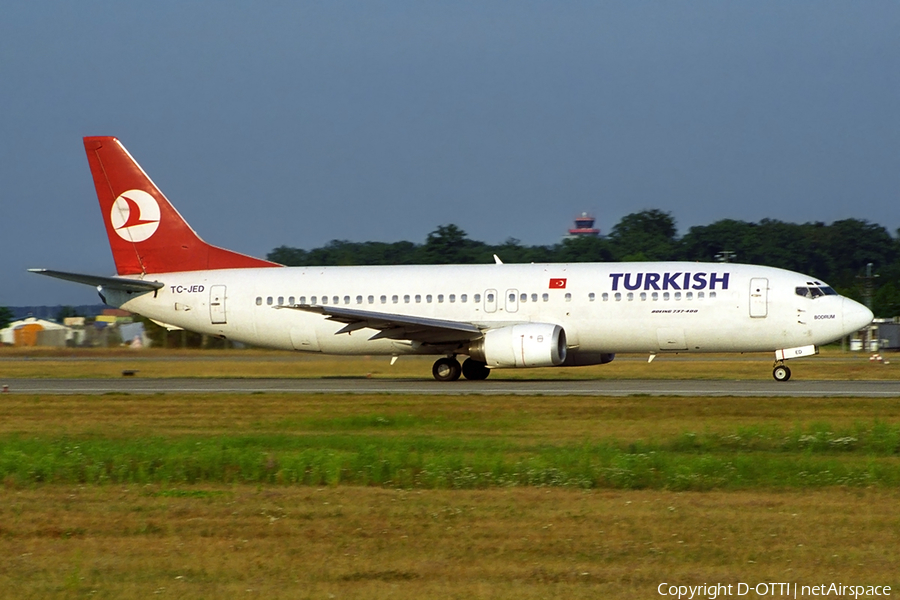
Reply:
x=346 y=299
x=643 y=296
x=523 y=297
x=689 y=295
x=712 y=294
x=335 y=300
x=383 y=299
x=440 y=297
x=418 y=298
x=592 y=296
x=371 y=299
x=678 y=295
x=324 y=299
x=313 y=300
x=406 y=299
x=280 y=300
x=395 y=299
x=665 y=295
x=452 y=298
x=490 y=297
x=568 y=297
x=302 y=299
x=512 y=297
x=359 y=299
x=463 y=298
x=534 y=297
x=605 y=297
x=291 y=300
x=654 y=296
x=477 y=298
x=545 y=297
x=618 y=296
x=428 y=298
x=630 y=296
x=269 y=300
x=259 y=300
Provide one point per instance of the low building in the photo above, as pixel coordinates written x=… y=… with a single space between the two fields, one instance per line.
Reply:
x=35 y=332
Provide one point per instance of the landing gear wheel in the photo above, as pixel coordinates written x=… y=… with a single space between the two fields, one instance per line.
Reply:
x=781 y=373
x=475 y=370
x=446 y=369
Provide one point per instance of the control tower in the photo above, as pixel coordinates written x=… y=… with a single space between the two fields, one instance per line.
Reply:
x=584 y=225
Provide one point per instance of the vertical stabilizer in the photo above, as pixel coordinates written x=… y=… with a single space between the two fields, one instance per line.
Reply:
x=146 y=233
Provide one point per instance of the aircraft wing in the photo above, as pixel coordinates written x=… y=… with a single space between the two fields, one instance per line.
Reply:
x=395 y=327
x=110 y=283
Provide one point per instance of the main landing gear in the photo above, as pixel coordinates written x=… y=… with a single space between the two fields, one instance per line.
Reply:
x=449 y=369
x=781 y=372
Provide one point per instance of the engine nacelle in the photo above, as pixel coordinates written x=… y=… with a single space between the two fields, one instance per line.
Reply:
x=580 y=359
x=526 y=345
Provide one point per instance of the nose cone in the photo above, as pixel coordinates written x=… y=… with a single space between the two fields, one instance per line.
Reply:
x=855 y=315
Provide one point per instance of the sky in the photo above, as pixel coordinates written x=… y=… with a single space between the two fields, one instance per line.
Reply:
x=296 y=123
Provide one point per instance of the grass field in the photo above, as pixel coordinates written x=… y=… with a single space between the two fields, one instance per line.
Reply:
x=286 y=496
x=831 y=364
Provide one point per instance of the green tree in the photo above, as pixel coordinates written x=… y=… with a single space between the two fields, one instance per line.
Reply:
x=65 y=312
x=6 y=317
x=448 y=244
x=705 y=242
x=584 y=248
x=645 y=235
x=285 y=255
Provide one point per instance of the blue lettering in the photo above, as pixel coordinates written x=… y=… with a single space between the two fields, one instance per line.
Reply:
x=615 y=278
x=666 y=281
x=713 y=280
x=669 y=279
x=633 y=286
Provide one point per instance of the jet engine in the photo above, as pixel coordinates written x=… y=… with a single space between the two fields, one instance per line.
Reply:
x=526 y=345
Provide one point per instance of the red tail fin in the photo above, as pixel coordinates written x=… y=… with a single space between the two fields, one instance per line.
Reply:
x=146 y=233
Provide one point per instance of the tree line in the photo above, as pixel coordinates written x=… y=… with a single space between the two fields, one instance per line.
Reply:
x=837 y=253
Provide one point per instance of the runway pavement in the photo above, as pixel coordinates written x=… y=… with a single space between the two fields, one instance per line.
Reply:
x=137 y=385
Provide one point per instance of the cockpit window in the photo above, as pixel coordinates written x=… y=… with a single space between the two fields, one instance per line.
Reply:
x=815 y=292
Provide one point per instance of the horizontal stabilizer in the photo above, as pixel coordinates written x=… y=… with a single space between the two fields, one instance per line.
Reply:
x=110 y=283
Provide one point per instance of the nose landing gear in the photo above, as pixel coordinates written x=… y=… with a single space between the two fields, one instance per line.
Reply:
x=781 y=372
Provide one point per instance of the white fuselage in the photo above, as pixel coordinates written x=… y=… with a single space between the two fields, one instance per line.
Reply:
x=603 y=307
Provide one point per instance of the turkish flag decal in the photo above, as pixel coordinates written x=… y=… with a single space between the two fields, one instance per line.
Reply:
x=557 y=284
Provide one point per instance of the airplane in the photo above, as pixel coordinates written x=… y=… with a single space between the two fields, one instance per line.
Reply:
x=496 y=315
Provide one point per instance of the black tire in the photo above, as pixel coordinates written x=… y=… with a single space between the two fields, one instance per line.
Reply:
x=781 y=373
x=446 y=369
x=475 y=370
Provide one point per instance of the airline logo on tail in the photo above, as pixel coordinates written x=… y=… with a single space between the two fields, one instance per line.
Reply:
x=135 y=215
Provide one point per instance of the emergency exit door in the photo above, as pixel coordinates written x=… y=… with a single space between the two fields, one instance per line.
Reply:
x=217 y=305
x=759 y=295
